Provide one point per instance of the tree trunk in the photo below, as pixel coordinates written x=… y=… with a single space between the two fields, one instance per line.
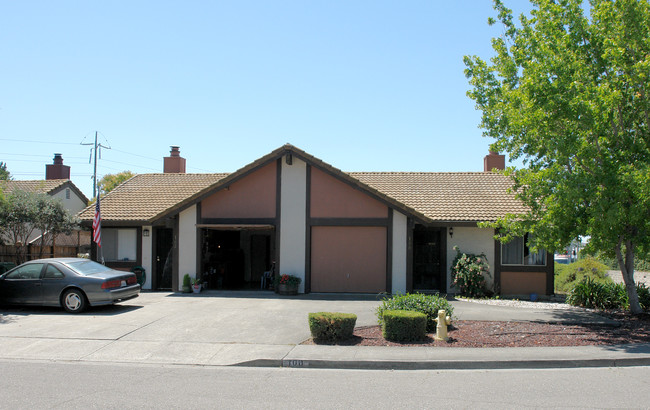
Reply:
x=627 y=271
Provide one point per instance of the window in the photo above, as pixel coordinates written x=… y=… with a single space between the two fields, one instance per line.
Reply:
x=516 y=252
x=67 y=193
x=52 y=272
x=119 y=245
x=30 y=271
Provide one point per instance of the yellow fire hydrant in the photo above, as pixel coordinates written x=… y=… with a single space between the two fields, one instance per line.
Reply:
x=441 y=329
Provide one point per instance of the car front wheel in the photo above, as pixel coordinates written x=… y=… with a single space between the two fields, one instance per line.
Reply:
x=74 y=301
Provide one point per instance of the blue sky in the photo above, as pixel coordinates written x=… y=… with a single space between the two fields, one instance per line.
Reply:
x=362 y=85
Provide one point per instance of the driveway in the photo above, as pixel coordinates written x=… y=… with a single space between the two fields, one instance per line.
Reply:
x=213 y=328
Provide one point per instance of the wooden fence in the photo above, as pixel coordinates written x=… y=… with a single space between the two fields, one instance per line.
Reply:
x=9 y=253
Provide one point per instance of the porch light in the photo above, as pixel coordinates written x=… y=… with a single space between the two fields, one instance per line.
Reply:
x=451 y=231
x=145 y=232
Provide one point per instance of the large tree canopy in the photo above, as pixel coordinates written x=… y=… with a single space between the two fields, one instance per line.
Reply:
x=567 y=92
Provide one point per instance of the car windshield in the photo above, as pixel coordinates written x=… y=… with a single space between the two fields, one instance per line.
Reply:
x=87 y=267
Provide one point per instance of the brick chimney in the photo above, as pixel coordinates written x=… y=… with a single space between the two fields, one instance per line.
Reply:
x=174 y=163
x=494 y=161
x=57 y=170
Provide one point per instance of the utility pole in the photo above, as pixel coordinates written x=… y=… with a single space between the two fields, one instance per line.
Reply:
x=95 y=147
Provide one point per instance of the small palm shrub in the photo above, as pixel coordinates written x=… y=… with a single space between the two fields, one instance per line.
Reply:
x=417 y=302
x=331 y=326
x=609 y=295
x=404 y=326
x=468 y=273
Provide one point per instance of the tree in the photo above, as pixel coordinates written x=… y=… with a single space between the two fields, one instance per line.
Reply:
x=110 y=181
x=52 y=220
x=17 y=214
x=567 y=92
x=23 y=214
x=4 y=174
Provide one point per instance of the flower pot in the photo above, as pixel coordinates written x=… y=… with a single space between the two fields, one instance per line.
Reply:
x=196 y=288
x=287 y=290
x=186 y=289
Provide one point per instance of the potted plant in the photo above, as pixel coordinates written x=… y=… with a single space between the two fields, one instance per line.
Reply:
x=287 y=284
x=186 y=284
x=196 y=285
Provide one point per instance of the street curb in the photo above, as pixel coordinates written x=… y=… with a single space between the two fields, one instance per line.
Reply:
x=445 y=365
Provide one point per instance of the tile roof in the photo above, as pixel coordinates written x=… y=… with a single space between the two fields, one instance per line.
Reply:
x=145 y=196
x=447 y=196
x=38 y=186
x=432 y=196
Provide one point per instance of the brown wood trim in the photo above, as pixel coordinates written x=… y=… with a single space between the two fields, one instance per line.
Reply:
x=389 y=252
x=410 y=224
x=497 y=267
x=348 y=221
x=308 y=229
x=443 y=260
x=550 y=273
x=199 y=242
x=278 y=213
x=238 y=221
x=175 y=247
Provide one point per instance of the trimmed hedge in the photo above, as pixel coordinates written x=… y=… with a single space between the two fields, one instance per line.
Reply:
x=418 y=302
x=404 y=326
x=331 y=326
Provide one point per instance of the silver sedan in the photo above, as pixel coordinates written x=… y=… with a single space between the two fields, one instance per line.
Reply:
x=72 y=283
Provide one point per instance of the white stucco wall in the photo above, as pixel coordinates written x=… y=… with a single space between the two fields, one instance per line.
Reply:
x=471 y=240
x=74 y=204
x=293 y=219
x=399 y=252
x=187 y=243
x=147 y=254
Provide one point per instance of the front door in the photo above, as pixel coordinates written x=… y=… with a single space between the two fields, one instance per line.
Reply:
x=429 y=259
x=163 y=258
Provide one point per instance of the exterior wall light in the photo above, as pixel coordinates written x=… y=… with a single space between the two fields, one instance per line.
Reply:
x=145 y=232
x=451 y=231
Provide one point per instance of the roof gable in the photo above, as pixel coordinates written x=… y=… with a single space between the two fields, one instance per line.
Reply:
x=48 y=186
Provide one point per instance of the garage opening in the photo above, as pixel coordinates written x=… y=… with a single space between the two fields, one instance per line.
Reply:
x=236 y=257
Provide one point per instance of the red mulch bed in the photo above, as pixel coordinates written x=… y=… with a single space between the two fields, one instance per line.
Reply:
x=470 y=333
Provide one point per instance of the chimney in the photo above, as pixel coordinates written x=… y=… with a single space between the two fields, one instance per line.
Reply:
x=494 y=161
x=174 y=163
x=57 y=170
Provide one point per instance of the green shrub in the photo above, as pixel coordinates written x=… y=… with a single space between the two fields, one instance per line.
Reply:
x=591 y=294
x=468 y=273
x=567 y=276
x=417 y=302
x=186 y=280
x=331 y=326
x=644 y=295
x=404 y=326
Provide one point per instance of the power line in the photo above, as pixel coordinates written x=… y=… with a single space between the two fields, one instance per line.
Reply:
x=38 y=142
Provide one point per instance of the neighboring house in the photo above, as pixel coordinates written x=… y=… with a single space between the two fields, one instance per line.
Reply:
x=56 y=184
x=367 y=232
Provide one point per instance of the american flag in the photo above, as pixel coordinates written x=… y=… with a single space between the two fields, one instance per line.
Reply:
x=97 y=225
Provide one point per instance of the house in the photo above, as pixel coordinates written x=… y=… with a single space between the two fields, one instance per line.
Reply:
x=56 y=184
x=367 y=232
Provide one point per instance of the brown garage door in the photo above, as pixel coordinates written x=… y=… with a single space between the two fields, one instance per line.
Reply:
x=348 y=259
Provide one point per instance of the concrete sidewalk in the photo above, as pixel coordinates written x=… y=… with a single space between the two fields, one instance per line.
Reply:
x=263 y=329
